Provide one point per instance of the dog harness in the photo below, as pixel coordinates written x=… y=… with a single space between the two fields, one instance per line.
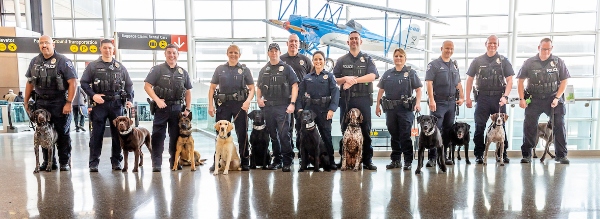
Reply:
x=310 y=126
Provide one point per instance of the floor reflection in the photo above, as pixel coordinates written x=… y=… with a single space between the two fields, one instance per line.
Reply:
x=516 y=190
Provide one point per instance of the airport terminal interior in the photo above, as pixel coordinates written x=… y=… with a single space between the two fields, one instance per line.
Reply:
x=207 y=27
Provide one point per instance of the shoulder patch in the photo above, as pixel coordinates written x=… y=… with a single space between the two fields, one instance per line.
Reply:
x=428 y=66
x=69 y=63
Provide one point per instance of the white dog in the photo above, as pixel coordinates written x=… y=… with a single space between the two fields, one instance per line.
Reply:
x=226 y=154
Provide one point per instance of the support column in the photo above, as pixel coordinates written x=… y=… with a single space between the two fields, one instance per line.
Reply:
x=28 y=14
x=189 y=20
x=47 y=22
x=105 y=19
x=17 y=4
x=511 y=18
x=595 y=104
x=268 y=30
x=428 y=8
x=111 y=13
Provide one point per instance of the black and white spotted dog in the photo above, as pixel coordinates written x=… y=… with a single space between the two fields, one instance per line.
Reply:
x=45 y=136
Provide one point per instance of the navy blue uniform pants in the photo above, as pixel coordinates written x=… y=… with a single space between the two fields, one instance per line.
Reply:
x=108 y=110
x=62 y=125
x=532 y=115
x=445 y=112
x=278 y=123
x=364 y=105
x=163 y=118
x=399 y=122
x=486 y=106
x=324 y=127
x=229 y=110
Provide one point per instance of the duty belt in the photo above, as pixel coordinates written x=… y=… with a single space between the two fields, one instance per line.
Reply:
x=318 y=101
x=276 y=102
x=443 y=97
x=109 y=98
x=173 y=102
x=48 y=96
x=490 y=93
x=545 y=96
x=354 y=94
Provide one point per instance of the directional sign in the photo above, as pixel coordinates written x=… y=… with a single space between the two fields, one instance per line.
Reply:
x=62 y=45
x=150 y=41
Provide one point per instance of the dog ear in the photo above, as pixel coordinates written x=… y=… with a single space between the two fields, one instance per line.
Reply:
x=130 y=122
x=493 y=117
x=313 y=114
x=229 y=126
x=505 y=116
x=347 y=118
x=299 y=113
x=360 y=118
x=434 y=118
x=419 y=118
x=217 y=126
x=48 y=116
x=190 y=115
x=115 y=121
x=252 y=114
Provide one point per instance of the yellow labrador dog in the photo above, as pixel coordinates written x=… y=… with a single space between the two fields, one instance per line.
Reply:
x=226 y=154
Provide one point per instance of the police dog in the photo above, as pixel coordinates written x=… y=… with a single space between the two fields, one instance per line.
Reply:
x=259 y=140
x=132 y=139
x=184 y=152
x=495 y=134
x=312 y=146
x=430 y=137
x=45 y=136
x=225 y=152
x=352 y=141
x=459 y=136
x=544 y=132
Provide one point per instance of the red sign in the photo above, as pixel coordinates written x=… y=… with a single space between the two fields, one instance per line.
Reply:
x=180 y=41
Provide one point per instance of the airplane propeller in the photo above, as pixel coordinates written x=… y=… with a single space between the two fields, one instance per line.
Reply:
x=286 y=25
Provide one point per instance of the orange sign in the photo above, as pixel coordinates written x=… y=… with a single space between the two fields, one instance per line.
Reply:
x=180 y=41
x=414 y=132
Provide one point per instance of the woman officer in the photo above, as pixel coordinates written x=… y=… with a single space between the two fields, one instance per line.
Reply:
x=398 y=84
x=232 y=98
x=321 y=95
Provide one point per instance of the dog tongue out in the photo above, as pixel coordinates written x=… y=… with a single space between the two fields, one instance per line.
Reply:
x=460 y=135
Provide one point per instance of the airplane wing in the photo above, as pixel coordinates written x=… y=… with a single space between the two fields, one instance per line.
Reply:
x=402 y=13
x=338 y=45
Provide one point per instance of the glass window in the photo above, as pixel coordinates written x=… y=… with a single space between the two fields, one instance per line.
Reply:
x=170 y=9
x=212 y=10
x=575 y=44
x=171 y=27
x=89 y=28
x=143 y=9
x=534 y=6
x=477 y=47
x=137 y=55
x=534 y=23
x=488 y=7
x=457 y=26
x=564 y=22
x=88 y=8
x=215 y=29
x=248 y=29
x=412 y=6
x=449 y=7
x=488 y=25
x=568 y=5
x=61 y=8
x=240 y=10
x=63 y=28
x=138 y=69
x=580 y=66
x=135 y=26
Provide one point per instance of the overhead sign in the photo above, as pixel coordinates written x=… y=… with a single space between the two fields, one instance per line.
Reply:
x=62 y=45
x=151 y=41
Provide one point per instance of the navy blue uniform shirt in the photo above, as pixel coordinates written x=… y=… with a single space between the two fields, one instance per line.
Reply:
x=154 y=75
x=563 y=72
x=444 y=75
x=65 y=69
x=229 y=77
x=397 y=83
x=507 y=69
x=371 y=69
x=89 y=74
x=300 y=63
x=317 y=86
x=287 y=71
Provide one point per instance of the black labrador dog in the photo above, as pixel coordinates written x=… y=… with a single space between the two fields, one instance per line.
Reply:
x=312 y=147
x=259 y=139
x=459 y=136
x=430 y=138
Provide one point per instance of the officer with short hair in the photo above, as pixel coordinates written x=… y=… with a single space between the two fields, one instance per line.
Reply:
x=443 y=81
x=398 y=104
x=546 y=76
x=107 y=81
x=301 y=65
x=320 y=94
x=494 y=81
x=355 y=73
x=169 y=87
x=233 y=96
x=52 y=78
x=276 y=94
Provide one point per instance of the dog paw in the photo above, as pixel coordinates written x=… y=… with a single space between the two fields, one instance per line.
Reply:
x=501 y=164
x=552 y=156
x=343 y=169
x=300 y=170
x=485 y=163
x=36 y=171
x=458 y=158
x=443 y=170
x=535 y=156
x=418 y=172
x=125 y=170
x=193 y=168
x=355 y=170
x=225 y=172
x=468 y=162
x=449 y=162
x=317 y=170
x=48 y=169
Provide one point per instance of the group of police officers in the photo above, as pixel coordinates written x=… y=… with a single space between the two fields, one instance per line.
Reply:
x=291 y=83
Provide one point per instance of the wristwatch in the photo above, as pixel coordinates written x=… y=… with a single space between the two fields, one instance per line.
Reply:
x=188 y=110
x=505 y=97
x=556 y=97
x=293 y=103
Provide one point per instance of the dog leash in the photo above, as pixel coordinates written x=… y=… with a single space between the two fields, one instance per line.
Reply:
x=415 y=146
x=249 y=147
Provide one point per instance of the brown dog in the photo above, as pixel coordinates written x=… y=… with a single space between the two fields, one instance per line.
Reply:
x=226 y=155
x=132 y=139
x=45 y=135
x=495 y=134
x=185 y=145
x=352 y=141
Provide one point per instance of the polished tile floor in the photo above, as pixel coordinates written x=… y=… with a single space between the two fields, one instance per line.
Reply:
x=517 y=190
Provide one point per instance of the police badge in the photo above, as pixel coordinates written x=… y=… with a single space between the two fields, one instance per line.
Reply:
x=268 y=68
x=180 y=71
x=240 y=71
x=117 y=65
x=325 y=77
x=301 y=62
x=498 y=60
x=362 y=59
x=405 y=74
x=552 y=64
x=53 y=61
x=280 y=68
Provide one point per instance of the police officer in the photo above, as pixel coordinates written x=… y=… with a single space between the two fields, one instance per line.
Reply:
x=277 y=91
x=320 y=94
x=53 y=79
x=398 y=104
x=547 y=77
x=169 y=86
x=301 y=65
x=107 y=81
x=355 y=73
x=236 y=90
x=494 y=81
x=443 y=81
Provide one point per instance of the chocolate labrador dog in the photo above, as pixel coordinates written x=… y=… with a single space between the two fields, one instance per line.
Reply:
x=132 y=139
x=430 y=138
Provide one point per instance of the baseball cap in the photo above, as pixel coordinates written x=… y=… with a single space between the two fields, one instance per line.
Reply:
x=274 y=45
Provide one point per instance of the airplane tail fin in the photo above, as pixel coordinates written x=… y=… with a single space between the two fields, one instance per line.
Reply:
x=410 y=36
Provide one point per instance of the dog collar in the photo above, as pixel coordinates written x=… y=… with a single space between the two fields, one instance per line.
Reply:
x=430 y=132
x=353 y=125
x=228 y=134
x=126 y=132
x=259 y=127
x=310 y=126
